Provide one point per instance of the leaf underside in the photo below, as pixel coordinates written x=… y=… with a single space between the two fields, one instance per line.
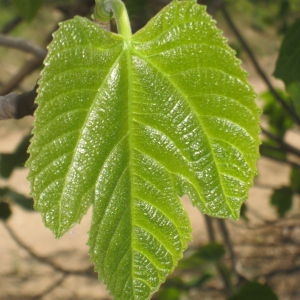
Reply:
x=129 y=126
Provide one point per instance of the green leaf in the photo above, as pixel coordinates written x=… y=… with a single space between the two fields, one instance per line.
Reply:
x=254 y=290
x=282 y=199
x=129 y=125
x=202 y=258
x=169 y=293
x=279 y=120
x=294 y=91
x=295 y=179
x=211 y=252
x=288 y=63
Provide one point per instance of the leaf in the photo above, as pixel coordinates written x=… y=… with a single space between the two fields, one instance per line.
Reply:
x=129 y=125
x=295 y=179
x=288 y=63
x=282 y=199
x=211 y=252
x=202 y=258
x=254 y=290
x=169 y=293
x=294 y=91
x=279 y=120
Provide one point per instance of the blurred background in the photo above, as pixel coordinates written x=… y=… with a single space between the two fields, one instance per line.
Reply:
x=257 y=257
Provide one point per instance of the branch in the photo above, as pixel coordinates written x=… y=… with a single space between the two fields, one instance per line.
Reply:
x=281 y=160
x=16 y=106
x=23 y=45
x=283 y=145
x=88 y=272
x=210 y=229
x=228 y=243
x=27 y=68
x=287 y=271
x=49 y=289
x=219 y=265
x=10 y=25
x=257 y=66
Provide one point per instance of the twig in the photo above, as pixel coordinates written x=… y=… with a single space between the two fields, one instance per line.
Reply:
x=266 y=224
x=16 y=106
x=222 y=270
x=283 y=145
x=213 y=5
x=52 y=287
x=88 y=272
x=285 y=161
x=210 y=228
x=24 y=71
x=228 y=243
x=23 y=45
x=10 y=25
x=257 y=66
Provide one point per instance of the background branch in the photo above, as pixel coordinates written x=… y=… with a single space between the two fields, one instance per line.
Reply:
x=24 y=71
x=257 y=66
x=16 y=106
x=283 y=145
x=88 y=272
x=23 y=45
x=10 y=25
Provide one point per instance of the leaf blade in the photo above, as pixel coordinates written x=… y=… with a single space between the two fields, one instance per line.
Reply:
x=65 y=131
x=132 y=133
x=211 y=108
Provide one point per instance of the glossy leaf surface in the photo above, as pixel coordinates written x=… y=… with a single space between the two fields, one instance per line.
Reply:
x=129 y=126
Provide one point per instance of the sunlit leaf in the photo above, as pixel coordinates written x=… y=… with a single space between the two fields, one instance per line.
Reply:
x=129 y=126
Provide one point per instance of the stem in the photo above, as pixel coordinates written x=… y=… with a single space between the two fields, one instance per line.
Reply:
x=104 y=9
x=221 y=268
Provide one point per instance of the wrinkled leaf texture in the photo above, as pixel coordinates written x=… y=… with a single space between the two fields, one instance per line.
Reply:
x=129 y=126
